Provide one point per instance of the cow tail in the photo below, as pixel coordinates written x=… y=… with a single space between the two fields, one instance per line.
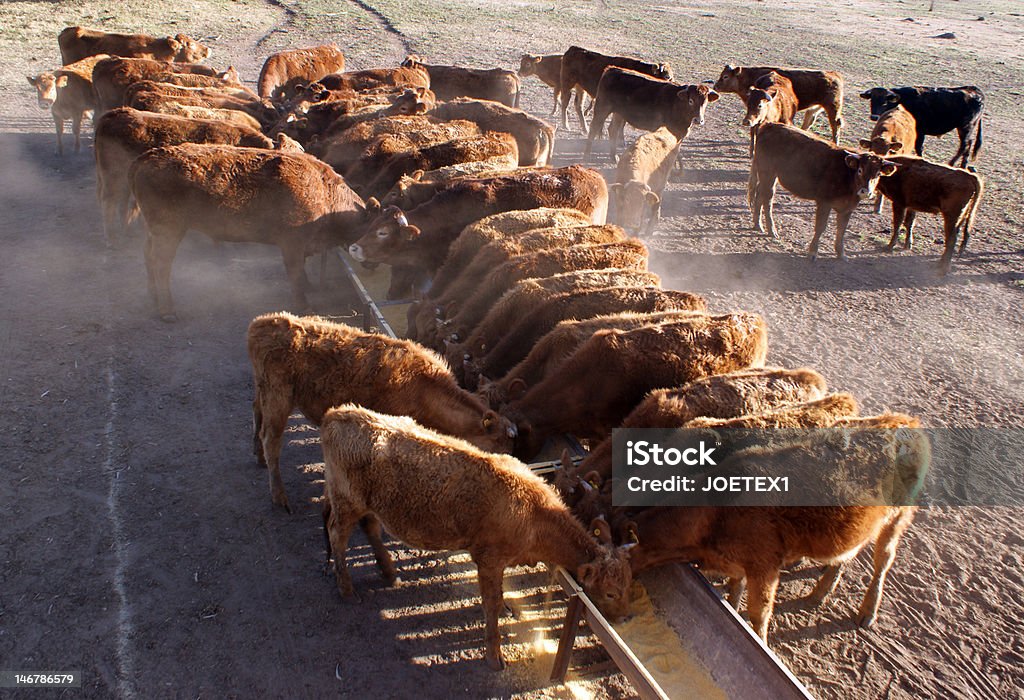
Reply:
x=519 y=85
x=752 y=180
x=967 y=218
x=977 y=141
x=131 y=208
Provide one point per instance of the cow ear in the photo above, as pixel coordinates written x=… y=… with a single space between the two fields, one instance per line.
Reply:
x=516 y=389
x=299 y=88
x=652 y=198
x=852 y=160
x=586 y=573
x=32 y=80
x=173 y=43
x=888 y=167
x=410 y=233
x=895 y=147
x=416 y=175
x=420 y=108
x=865 y=143
x=615 y=187
x=593 y=478
x=372 y=205
x=866 y=95
x=713 y=96
x=62 y=81
x=489 y=419
x=728 y=68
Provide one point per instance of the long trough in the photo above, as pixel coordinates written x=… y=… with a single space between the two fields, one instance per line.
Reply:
x=738 y=663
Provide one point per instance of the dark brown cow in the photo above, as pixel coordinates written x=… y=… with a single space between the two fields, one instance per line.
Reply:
x=283 y=70
x=462 y=150
x=646 y=103
x=922 y=186
x=112 y=76
x=535 y=136
x=68 y=94
x=632 y=363
x=582 y=69
x=421 y=237
x=290 y=200
x=630 y=254
x=77 y=43
x=555 y=347
x=548 y=69
x=313 y=364
x=449 y=82
x=535 y=323
x=816 y=90
x=410 y=77
x=811 y=168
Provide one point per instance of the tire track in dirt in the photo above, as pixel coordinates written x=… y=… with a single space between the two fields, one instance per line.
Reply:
x=282 y=27
x=393 y=33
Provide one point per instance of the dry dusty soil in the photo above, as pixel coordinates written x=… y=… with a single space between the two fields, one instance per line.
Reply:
x=138 y=541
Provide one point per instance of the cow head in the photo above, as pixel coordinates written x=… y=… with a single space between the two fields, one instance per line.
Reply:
x=187 y=50
x=882 y=100
x=869 y=168
x=633 y=203
x=397 y=195
x=495 y=433
x=880 y=147
x=691 y=103
x=729 y=80
x=528 y=65
x=413 y=61
x=413 y=101
x=759 y=103
x=284 y=142
x=607 y=580
x=47 y=85
x=312 y=92
x=663 y=71
x=230 y=76
x=388 y=235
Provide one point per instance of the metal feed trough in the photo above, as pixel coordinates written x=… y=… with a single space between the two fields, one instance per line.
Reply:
x=737 y=661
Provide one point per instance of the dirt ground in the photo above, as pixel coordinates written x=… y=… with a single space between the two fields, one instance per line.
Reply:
x=138 y=541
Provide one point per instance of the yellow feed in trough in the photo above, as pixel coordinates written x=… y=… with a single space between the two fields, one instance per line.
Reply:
x=660 y=650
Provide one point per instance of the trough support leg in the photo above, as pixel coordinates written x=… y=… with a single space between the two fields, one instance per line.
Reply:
x=573 y=615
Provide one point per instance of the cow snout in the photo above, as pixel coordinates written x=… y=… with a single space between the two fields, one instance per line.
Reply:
x=874 y=117
x=865 y=193
x=356 y=251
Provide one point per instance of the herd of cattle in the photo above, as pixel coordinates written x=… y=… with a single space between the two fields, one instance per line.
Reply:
x=549 y=319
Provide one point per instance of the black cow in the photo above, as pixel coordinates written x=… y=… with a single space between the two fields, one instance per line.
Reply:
x=646 y=103
x=937 y=111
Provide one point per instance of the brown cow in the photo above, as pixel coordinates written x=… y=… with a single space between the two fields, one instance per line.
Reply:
x=640 y=179
x=421 y=237
x=365 y=146
x=536 y=322
x=535 y=136
x=224 y=79
x=231 y=116
x=493 y=144
x=488 y=304
x=746 y=392
x=756 y=542
x=211 y=90
x=123 y=134
x=291 y=200
x=811 y=168
x=158 y=101
x=502 y=304
x=646 y=103
x=314 y=123
x=922 y=186
x=67 y=93
x=111 y=77
x=771 y=100
x=816 y=91
x=283 y=70
x=895 y=133
x=547 y=68
x=312 y=364
x=77 y=43
x=377 y=467
x=449 y=82
x=414 y=189
x=404 y=77
x=582 y=69
x=631 y=364
x=553 y=349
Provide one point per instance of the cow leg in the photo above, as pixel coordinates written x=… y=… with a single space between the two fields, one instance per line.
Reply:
x=257 y=427
x=898 y=212
x=295 y=265
x=734 y=591
x=655 y=217
x=326 y=513
x=58 y=125
x=879 y=199
x=579 y=110
x=566 y=94
x=490 y=576
x=760 y=601
x=161 y=247
x=826 y=584
x=835 y=121
x=884 y=554
x=950 y=232
x=76 y=129
x=842 y=221
x=919 y=145
x=966 y=142
x=275 y=405
x=554 y=107
x=372 y=527
x=810 y=115
x=341 y=520
x=908 y=224
x=821 y=214
x=596 y=126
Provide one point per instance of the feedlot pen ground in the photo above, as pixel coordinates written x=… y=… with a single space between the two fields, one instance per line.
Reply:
x=138 y=541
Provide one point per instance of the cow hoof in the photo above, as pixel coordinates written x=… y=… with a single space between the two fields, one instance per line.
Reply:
x=282 y=500
x=495 y=663
x=889 y=248
x=865 y=620
x=811 y=257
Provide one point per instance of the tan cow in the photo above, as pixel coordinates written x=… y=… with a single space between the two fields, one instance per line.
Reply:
x=68 y=94
x=112 y=77
x=640 y=179
x=284 y=70
x=77 y=43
